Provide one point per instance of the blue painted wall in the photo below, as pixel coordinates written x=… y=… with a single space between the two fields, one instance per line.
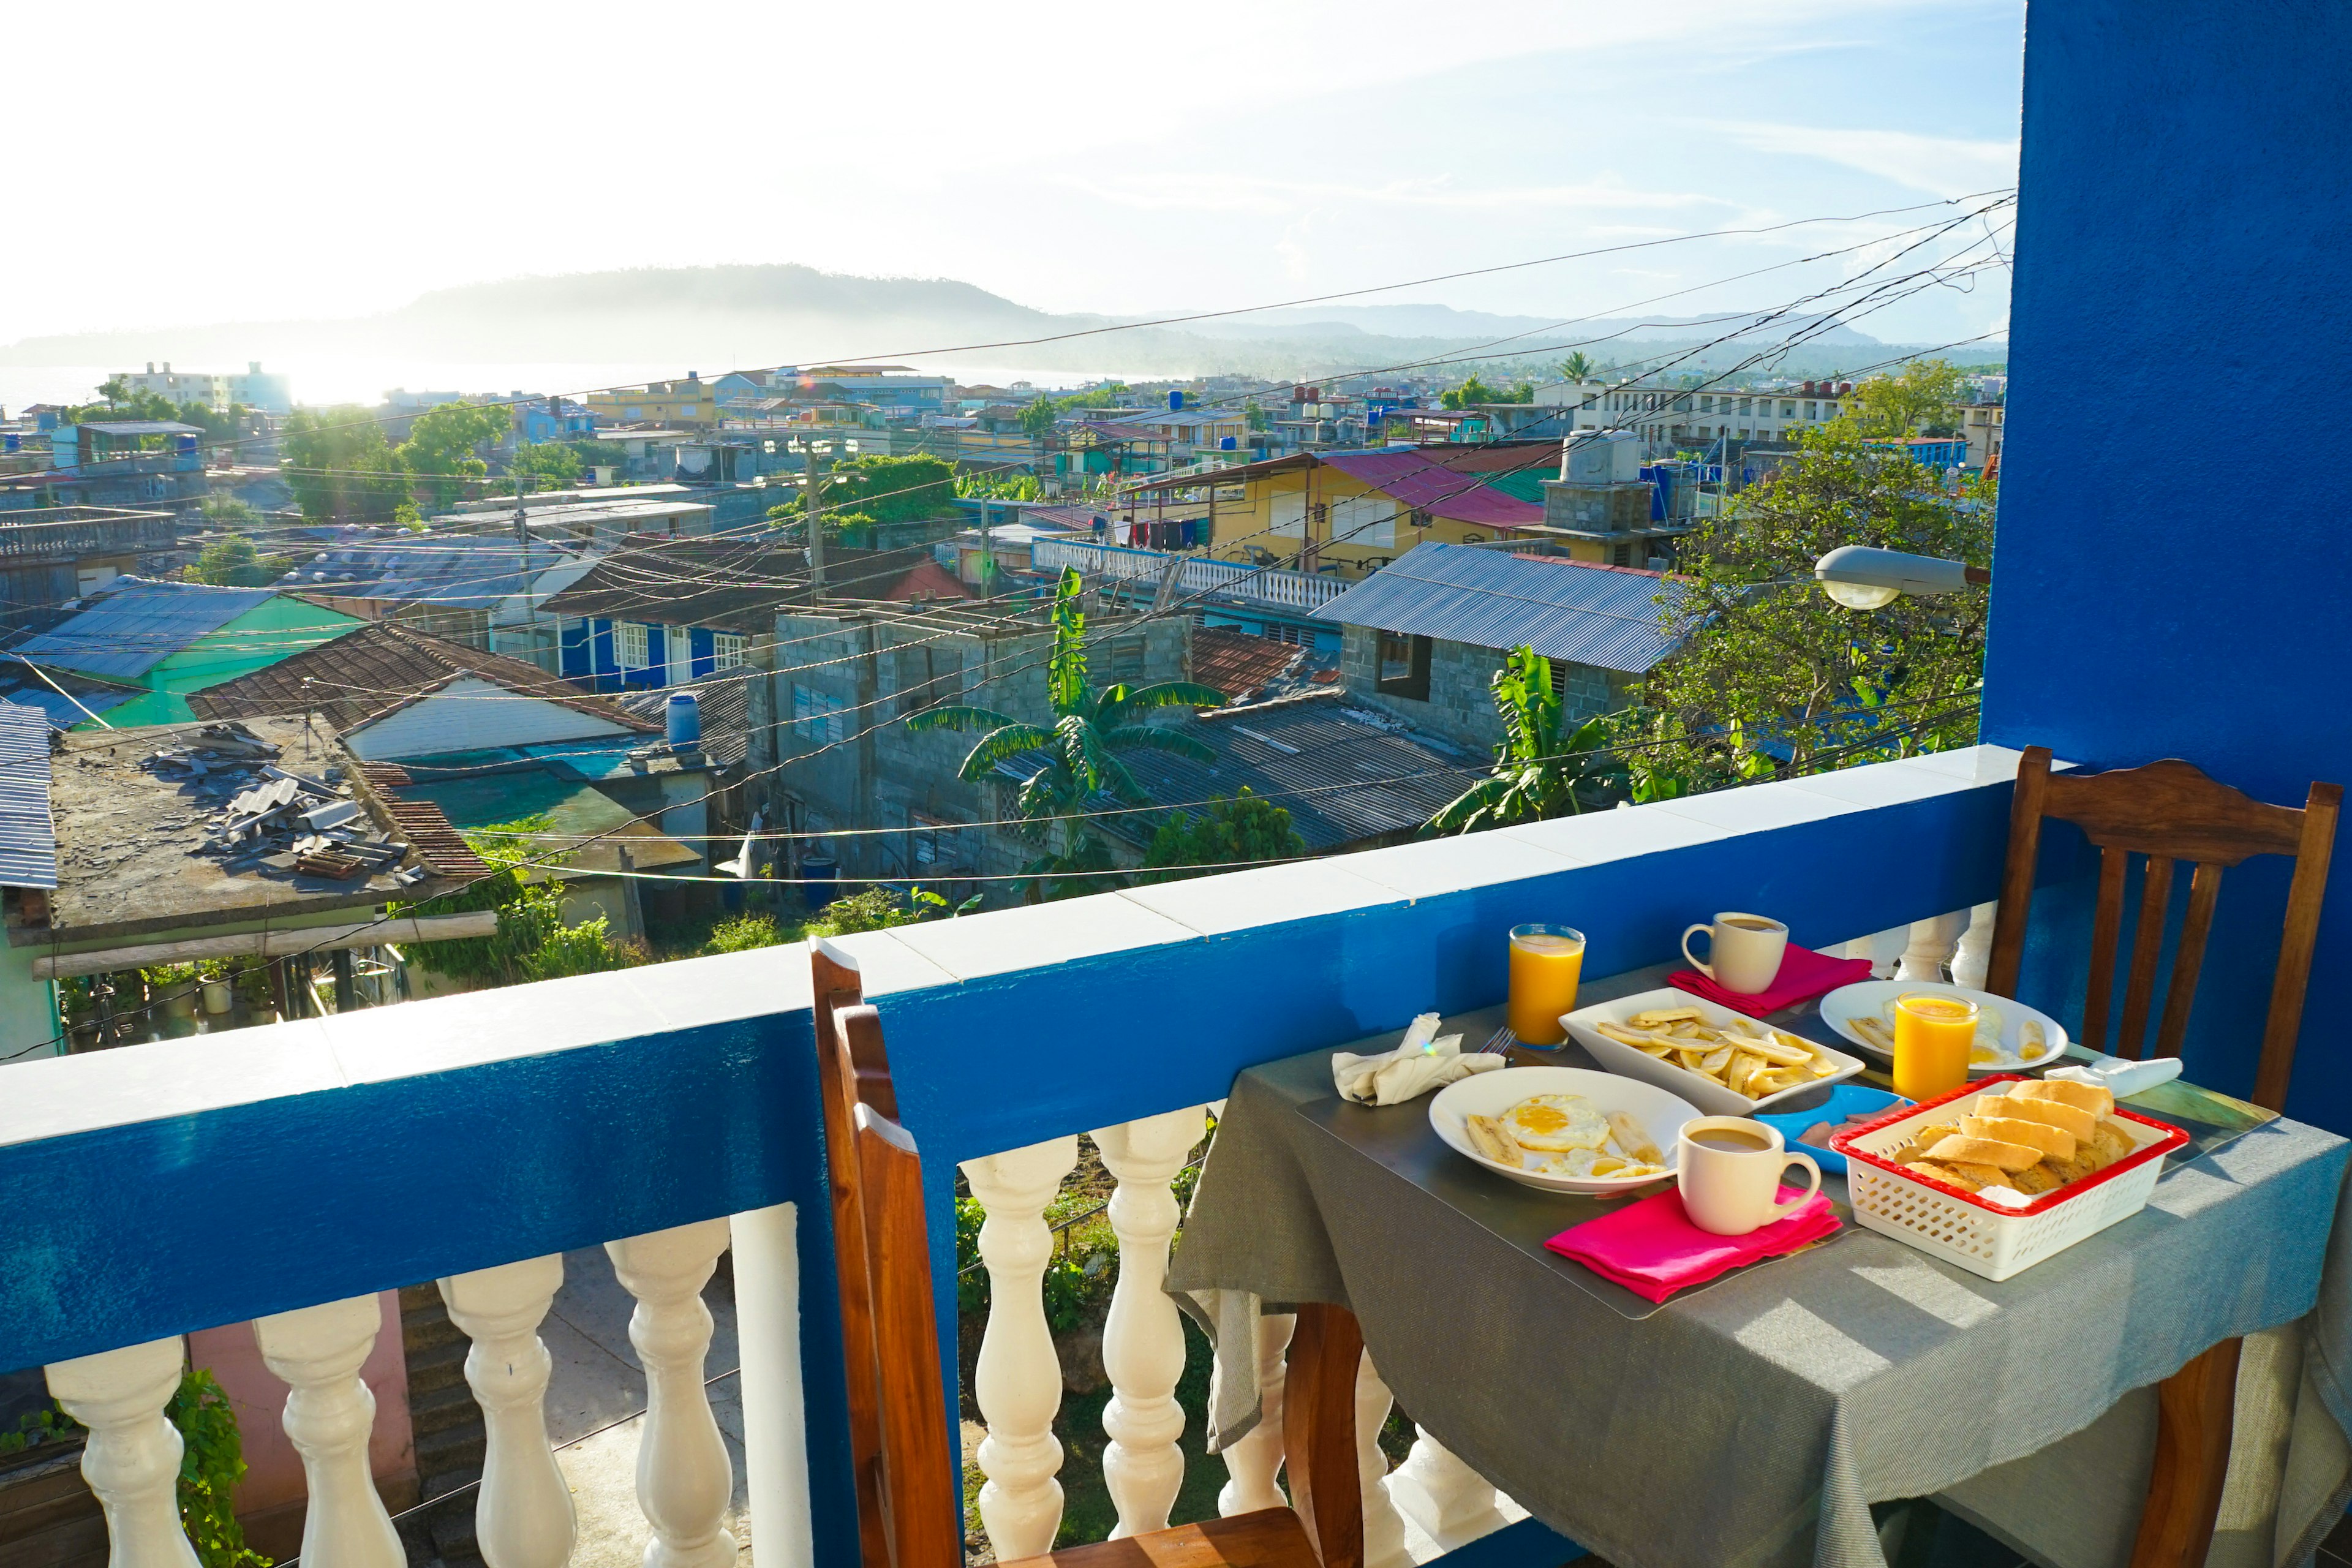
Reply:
x=2184 y=229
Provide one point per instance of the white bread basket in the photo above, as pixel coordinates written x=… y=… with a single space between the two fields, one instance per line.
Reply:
x=1990 y=1238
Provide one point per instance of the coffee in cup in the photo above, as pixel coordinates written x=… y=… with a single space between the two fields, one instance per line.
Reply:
x=1728 y=1168
x=1744 y=952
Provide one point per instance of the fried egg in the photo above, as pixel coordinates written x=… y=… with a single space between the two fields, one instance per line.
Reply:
x=1551 y=1122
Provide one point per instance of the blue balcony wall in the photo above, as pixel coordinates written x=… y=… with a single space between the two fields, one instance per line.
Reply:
x=2194 y=605
x=176 y=1187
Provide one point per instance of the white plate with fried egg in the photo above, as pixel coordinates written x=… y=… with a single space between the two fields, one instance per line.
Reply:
x=2010 y=1035
x=1569 y=1126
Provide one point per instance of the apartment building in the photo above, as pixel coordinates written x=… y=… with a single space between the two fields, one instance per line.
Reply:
x=691 y=401
x=265 y=392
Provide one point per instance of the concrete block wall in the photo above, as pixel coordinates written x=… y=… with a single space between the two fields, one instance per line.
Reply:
x=1461 y=703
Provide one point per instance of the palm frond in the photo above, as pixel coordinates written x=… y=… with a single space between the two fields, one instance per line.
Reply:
x=1164 y=694
x=1465 y=811
x=1000 y=744
x=958 y=719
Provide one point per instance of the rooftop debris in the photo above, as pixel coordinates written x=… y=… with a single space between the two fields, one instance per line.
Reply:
x=264 y=815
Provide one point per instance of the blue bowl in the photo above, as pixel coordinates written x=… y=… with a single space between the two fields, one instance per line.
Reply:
x=1846 y=1100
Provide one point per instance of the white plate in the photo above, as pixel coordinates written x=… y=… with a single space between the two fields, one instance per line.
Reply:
x=1661 y=1114
x=1842 y=1006
x=1674 y=1078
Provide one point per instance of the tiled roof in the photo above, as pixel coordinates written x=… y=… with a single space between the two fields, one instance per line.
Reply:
x=423 y=824
x=364 y=672
x=1607 y=617
x=1237 y=663
x=929 y=580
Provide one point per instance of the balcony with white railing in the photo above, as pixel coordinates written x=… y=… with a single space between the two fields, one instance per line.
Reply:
x=1195 y=575
x=286 y=1175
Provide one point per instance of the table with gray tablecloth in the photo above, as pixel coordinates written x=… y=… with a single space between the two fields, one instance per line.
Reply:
x=1754 y=1422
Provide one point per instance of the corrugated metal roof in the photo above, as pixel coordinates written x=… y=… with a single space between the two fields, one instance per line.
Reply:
x=1607 y=617
x=28 y=833
x=1435 y=488
x=1347 y=776
x=64 y=711
x=137 y=624
x=725 y=702
x=463 y=571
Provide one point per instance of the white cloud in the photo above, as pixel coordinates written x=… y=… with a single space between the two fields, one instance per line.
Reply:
x=1942 y=165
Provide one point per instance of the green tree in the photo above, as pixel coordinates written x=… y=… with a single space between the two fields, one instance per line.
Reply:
x=1470 y=394
x=599 y=454
x=236 y=562
x=1037 y=420
x=1077 y=755
x=339 y=466
x=1540 y=770
x=1252 y=414
x=1229 y=832
x=1918 y=396
x=228 y=512
x=1773 y=676
x=1577 y=366
x=441 y=444
x=545 y=465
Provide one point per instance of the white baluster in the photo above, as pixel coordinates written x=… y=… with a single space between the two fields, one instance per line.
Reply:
x=319 y=1352
x=132 y=1459
x=1253 y=1461
x=1453 y=1504
x=523 y=1516
x=1973 y=956
x=766 y=1251
x=1383 y=1526
x=1018 y=1379
x=1931 y=944
x=684 y=1478
x=1144 y=1337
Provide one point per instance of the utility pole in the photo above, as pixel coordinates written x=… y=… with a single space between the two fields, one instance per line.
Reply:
x=815 y=487
x=987 y=552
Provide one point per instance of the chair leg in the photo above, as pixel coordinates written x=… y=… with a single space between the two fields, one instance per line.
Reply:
x=2196 y=1408
x=1318 y=1432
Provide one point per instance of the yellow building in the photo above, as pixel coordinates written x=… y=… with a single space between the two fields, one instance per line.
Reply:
x=1347 y=513
x=689 y=402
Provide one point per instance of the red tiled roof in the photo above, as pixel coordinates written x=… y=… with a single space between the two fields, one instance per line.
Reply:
x=1237 y=663
x=425 y=825
x=927 y=580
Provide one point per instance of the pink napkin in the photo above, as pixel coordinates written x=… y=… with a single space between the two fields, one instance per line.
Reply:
x=1804 y=974
x=1653 y=1249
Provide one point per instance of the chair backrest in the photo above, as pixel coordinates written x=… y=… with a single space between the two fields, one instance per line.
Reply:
x=2167 y=812
x=908 y=1474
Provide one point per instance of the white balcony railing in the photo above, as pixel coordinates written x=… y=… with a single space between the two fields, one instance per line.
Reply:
x=476 y=1139
x=1273 y=585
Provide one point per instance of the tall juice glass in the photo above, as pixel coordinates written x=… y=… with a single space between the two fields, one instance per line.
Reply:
x=1546 y=963
x=1932 y=1036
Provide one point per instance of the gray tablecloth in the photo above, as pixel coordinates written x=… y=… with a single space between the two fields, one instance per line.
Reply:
x=1754 y=1422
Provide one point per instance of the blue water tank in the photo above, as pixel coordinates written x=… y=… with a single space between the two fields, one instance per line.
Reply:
x=1175 y=400
x=684 y=714
x=820 y=873
x=1224 y=443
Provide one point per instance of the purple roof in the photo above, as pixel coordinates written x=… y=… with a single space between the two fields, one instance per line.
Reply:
x=1428 y=487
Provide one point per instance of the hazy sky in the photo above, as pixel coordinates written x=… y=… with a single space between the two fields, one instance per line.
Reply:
x=253 y=162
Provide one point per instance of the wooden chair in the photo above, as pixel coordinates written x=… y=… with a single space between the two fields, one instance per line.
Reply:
x=2165 y=812
x=908 y=1472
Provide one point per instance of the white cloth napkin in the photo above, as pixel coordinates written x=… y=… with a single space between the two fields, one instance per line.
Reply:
x=2119 y=1075
x=1420 y=1063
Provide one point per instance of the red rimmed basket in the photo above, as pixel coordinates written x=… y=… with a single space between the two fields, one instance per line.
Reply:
x=1988 y=1238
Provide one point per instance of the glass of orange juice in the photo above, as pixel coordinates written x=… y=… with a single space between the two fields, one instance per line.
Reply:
x=1933 y=1033
x=1546 y=962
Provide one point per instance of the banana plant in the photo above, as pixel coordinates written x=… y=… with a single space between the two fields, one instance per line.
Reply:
x=1537 y=769
x=1077 y=755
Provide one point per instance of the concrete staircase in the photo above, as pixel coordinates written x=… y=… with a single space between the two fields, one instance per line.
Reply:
x=448 y=1429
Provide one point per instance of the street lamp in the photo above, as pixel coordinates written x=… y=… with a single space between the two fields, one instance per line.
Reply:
x=1862 y=578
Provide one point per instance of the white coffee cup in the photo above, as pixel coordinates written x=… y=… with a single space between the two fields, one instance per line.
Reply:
x=1729 y=1170
x=1744 y=952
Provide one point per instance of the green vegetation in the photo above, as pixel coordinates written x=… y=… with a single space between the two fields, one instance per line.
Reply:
x=1078 y=752
x=1917 y=398
x=1474 y=392
x=339 y=466
x=1000 y=486
x=211 y=1461
x=543 y=466
x=531 y=942
x=236 y=562
x=745 y=931
x=35 y=1427
x=1255 y=416
x=1037 y=420
x=122 y=402
x=1772 y=678
x=228 y=512
x=1229 y=832
x=441 y=444
x=1538 y=771
x=1577 y=366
